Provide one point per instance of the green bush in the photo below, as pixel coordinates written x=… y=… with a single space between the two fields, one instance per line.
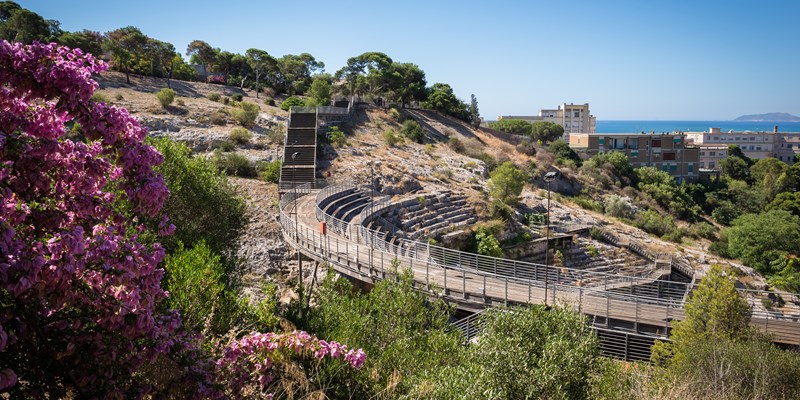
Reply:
x=337 y=137
x=98 y=97
x=703 y=230
x=487 y=244
x=405 y=334
x=527 y=148
x=455 y=145
x=394 y=113
x=524 y=353
x=616 y=206
x=202 y=205
x=240 y=136
x=275 y=136
x=596 y=233
x=269 y=101
x=245 y=114
x=391 y=138
x=270 y=171
x=119 y=97
x=564 y=153
x=218 y=117
x=235 y=164
x=292 y=101
x=165 y=97
x=588 y=203
x=214 y=96
x=237 y=97
x=412 y=130
x=654 y=222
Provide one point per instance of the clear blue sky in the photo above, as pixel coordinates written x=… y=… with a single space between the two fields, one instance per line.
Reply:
x=667 y=60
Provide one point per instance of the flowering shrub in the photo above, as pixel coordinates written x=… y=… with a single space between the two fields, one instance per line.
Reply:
x=246 y=364
x=79 y=272
x=78 y=289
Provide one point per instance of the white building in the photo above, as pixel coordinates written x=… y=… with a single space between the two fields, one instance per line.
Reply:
x=574 y=118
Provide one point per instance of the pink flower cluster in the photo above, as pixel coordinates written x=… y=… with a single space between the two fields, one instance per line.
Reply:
x=83 y=288
x=249 y=360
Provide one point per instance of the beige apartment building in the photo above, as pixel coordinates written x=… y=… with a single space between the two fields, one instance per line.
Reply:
x=574 y=118
x=756 y=145
x=667 y=152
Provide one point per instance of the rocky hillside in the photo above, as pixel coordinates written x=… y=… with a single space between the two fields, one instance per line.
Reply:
x=452 y=156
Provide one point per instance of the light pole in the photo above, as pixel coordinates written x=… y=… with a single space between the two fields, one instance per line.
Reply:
x=548 y=177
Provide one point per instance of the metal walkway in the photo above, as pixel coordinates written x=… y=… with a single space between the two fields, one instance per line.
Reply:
x=625 y=321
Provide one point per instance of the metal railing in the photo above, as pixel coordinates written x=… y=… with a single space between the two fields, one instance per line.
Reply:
x=478 y=281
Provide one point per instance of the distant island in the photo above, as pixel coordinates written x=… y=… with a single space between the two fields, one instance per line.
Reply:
x=769 y=117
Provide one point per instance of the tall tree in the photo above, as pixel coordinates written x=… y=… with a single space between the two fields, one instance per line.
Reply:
x=506 y=183
x=203 y=53
x=546 y=131
x=442 y=98
x=321 y=90
x=224 y=63
x=758 y=239
x=406 y=83
x=86 y=40
x=126 y=46
x=18 y=24
x=367 y=73
x=474 y=114
x=261 y=62
x=163 y=54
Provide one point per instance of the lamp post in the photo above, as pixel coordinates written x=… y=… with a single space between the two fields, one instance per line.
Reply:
x=548 y=177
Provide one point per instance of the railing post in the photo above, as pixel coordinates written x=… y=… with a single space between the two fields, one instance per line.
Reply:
x=484 y=288
x=506 y=294
x=464 y=283
x=445 y=280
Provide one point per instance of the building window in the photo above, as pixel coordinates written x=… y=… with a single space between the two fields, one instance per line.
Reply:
x=758 y=147
x=752 y=138
x=634 y=153
x=656 y=143
x=673 y=168
x=702 y=164
x=633 y=143
x=702 y=153
x=602 y=141
x=664 y=167
x=712 y=153
x=711 y=165
x=669 y=156
x=577 y=114
x=689 y=167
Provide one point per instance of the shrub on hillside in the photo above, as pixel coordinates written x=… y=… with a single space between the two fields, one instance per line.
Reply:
x=292 y=101
x=588 y=203
x=527 y=148
x=235 y=164
x=237 y=97
x=270 y=171
x=199 y=195
x=269 y=101
x=337 y=137
x=391 y=138
x=245 y=114
x=455 y=145
x=219 y=117
x=240 y=136
x=652 y=221
x=165 y=97
x=412 y=130
x=99 y=98
x=214 y=96
x=119 y=97
x=616 y=206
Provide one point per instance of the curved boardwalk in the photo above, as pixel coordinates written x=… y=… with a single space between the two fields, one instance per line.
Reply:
x=475 y=282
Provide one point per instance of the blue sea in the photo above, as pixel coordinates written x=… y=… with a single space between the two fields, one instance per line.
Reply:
x=692 y=126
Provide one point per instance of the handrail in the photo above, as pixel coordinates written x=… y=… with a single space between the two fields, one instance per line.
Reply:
x=487 y=280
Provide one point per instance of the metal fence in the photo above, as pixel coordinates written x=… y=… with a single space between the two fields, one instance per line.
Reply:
x=478 y=281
